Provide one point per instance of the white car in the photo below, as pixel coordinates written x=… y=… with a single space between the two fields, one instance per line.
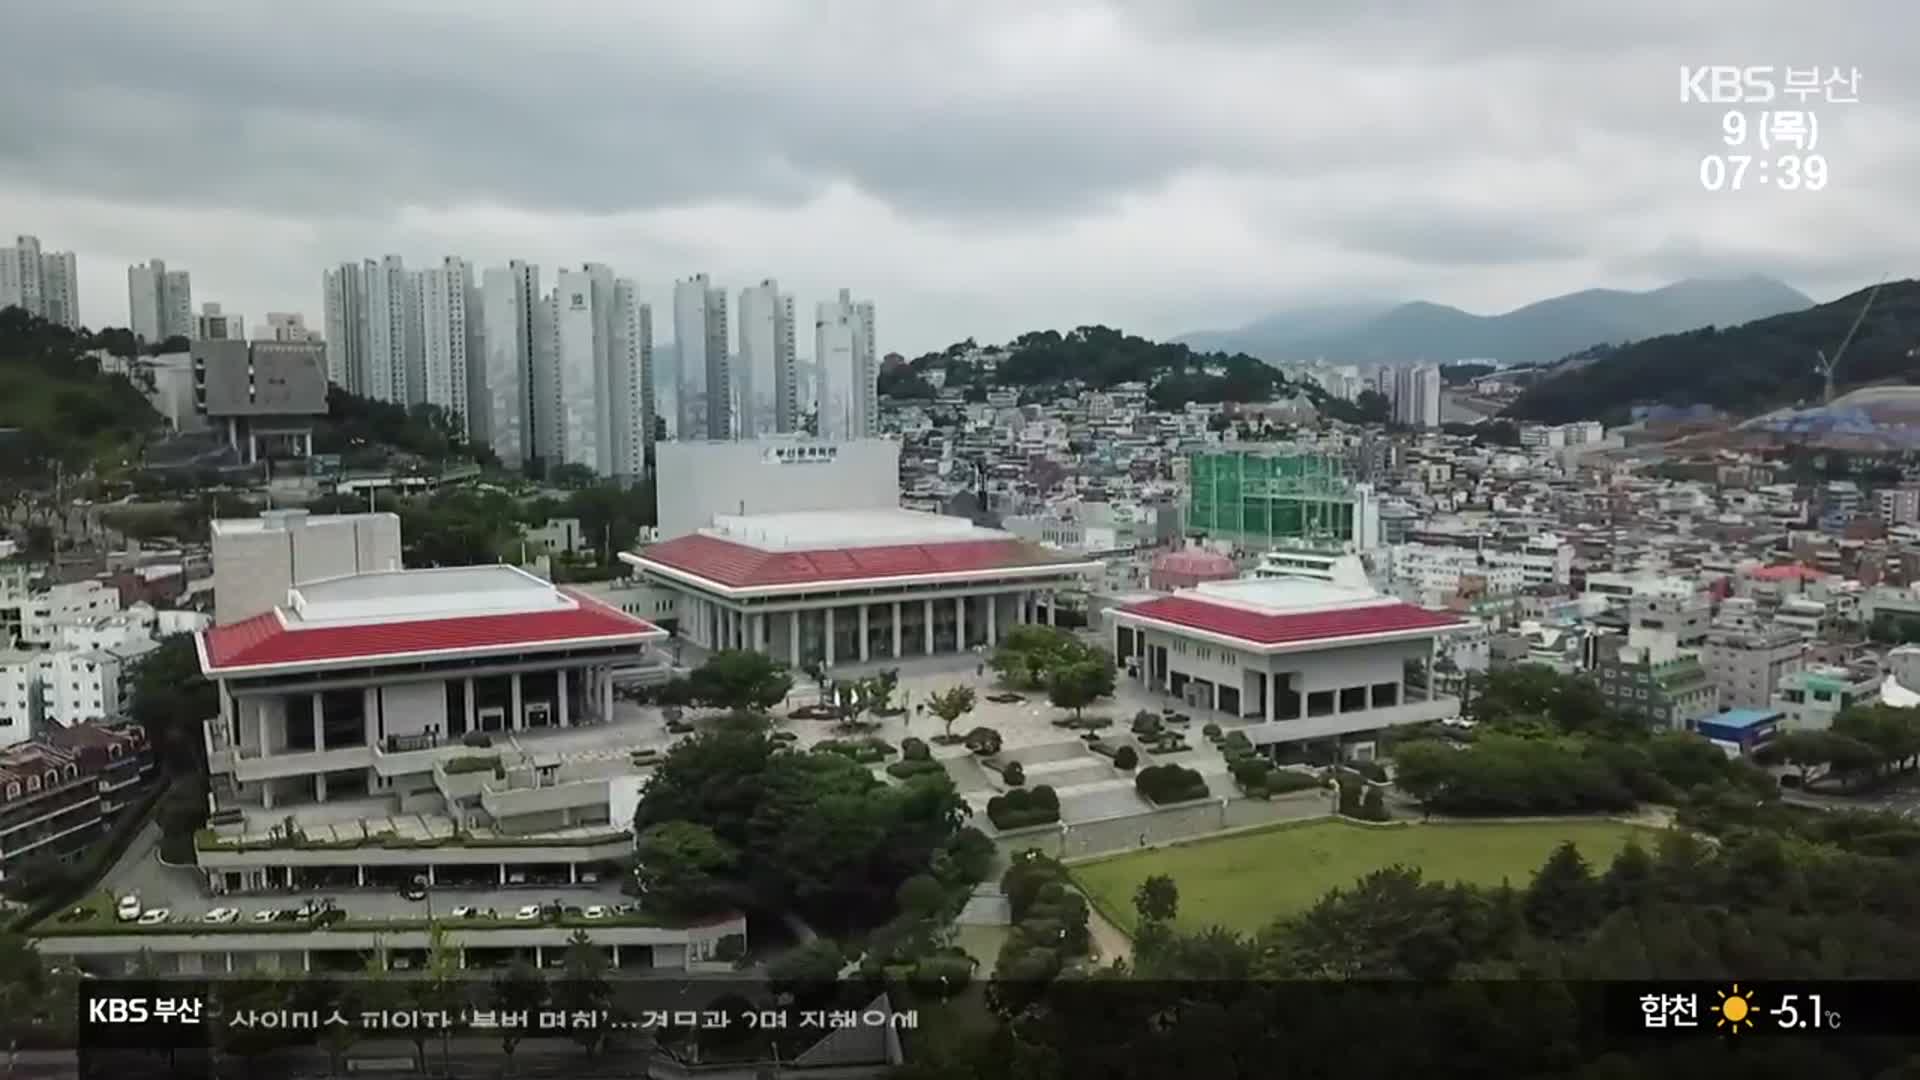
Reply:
x=527 y=913
x=463 y=912
x=221 y=915
x=265 y=915
x=597 y=911
x=155 y=917
x=128 y=909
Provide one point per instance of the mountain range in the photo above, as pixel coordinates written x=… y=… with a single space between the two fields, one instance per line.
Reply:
x=1540 y=332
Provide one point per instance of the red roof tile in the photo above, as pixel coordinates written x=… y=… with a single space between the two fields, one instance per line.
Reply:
x=1265 y=629
x=263 y=640
x=742 y=567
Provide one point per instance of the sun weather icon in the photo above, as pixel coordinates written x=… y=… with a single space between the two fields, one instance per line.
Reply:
x=1735 y=1009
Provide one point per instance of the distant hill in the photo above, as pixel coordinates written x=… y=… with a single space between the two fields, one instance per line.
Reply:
x=55 y=405
x=1762 y=364
x=1540 y=332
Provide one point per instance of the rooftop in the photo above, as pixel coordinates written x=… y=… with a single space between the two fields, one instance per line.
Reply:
x=813 y=529
x=412 y=615
x=1289 y=611
x=282 y=520
x=1744 y=718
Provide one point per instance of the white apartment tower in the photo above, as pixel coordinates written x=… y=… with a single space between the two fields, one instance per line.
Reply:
x=514 y=413
x=766 y=391
x=345 y=320
x=393 y=330
x=631 y=377
x=288 y=326
x=159 y=302
x=450 y=316
x=700 y=340
x=845 y=403
x=1416 y=396
x=582 y=340
x=213 y=324
x=41 y=283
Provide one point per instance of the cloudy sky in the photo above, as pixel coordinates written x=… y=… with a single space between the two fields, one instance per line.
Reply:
x=977 y=168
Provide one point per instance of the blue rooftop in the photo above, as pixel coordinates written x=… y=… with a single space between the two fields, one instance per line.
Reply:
x=1743 y=718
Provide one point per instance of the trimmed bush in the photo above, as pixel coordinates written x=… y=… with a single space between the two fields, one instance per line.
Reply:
x=915 y=749
x=1373 y=805
x=983 y=741
x=866 y=751
x=1237 y=742
x=1145 y=723
x=1162 y=784
x=1211 y=730
x=1372 y=770
x=907 y=770
x=472 y=763
x=1248 y=772
x=1280 y=781
x=1020 y=808
x=1014 y=774
x=1126 y=758
x=479 y=740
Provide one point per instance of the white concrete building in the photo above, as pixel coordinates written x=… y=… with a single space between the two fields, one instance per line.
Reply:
x=848 y=586
x=517 y=332
x=284 y=326
x=214 y=324
x=451 y=325
x=393 y=351
x=1810 y=698
x=1301 y=659
x=769 y=394
x=160 y=302
x=630 y=407
x=256 y=560
x=41 y=614
x=700 y=481
x=702 y=364
x=846 y=400
x=346 y=326
x=19 y=697
x=42 y=283
x=582 y=342
x=1416 y=396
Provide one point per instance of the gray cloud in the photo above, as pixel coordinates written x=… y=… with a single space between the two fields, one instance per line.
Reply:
x=979 y=169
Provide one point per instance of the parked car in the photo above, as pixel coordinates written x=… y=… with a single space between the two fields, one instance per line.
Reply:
x=527 y=913
x=155 y=917
x=464 y=912
x=265 y=915
x=597 y=911
x=128 y=909
x=221 y=915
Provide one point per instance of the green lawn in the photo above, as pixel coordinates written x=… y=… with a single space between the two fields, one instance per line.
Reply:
x=1244 y=882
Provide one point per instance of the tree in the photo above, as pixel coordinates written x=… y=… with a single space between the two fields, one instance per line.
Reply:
x=740 y=679
x=518 y=989
x=1079 y=684
x=950 y=705
x=921 y=896
x=171 y=700
x=807 y=972
x=1029 y=655
x=1157 y=899
x=583 y=988
x=683 y=866
x=1564 y=900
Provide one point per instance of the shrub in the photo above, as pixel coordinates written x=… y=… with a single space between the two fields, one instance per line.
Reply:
x=472 y=763
x=1377 y=772
x=1211 y=730
x=915 y=749
x=1162 y=784
x=907 y=770
x=1237 y=741
x=1126 y=758
x=1014 y=774
x=1373 y=805
x=1250 y=771
x=479 y=740
x=1280 y=781
x=1145 y=723
x=1020 y=808
x=866 y=751
x=730 y=948
x=942 y=974
x=983 y=741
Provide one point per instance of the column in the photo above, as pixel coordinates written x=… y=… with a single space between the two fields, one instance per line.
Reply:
x=429 y=874
x=319 y=716
x=360 y=875
x=1053 y=609
x=503 y=875
x=369 y=709
x=928 y=627
x=616 y=956
x=1273 y=693
x=760 y=632
x=896 y=629
x=828 y=612
x=993 y=619
x=793 y=639
x=472 y=706
x=1433 y=665
x=560 y=699
x=320 y=787
x=1215 y=684
x=960 y=623
x=513 y=705
x=864 y=649
x=606 y=697
x=260 y=718
x=573 y=873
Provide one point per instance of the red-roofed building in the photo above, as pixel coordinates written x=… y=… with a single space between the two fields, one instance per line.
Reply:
x=848 y=586
x=1304 y=659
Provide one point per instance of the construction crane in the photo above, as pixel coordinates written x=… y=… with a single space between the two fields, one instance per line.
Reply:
x=1826 y=366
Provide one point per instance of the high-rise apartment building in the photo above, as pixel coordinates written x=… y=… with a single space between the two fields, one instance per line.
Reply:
x=213 y=324
x=846 y=403
x=1416 y=396
x=700 y=344
x=160 y=302
x=516 y=336
x=451 y=330
x=602 y=348
x=766 y=380
x=42 y=283
x=631 y=359
x=393 y=330
x=345 y=320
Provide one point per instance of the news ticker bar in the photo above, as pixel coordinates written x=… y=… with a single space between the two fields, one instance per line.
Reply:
x=186 y=1014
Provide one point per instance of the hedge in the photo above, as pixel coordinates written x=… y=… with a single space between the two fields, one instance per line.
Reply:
x=1014 y=774
x=915 y=749
x=472 y=763
x=1162 y=784
x=1021 y=808
x=1126 y=758
x=865 y=751
x=907 y=770
x=984 y=741
x=1145 y=723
